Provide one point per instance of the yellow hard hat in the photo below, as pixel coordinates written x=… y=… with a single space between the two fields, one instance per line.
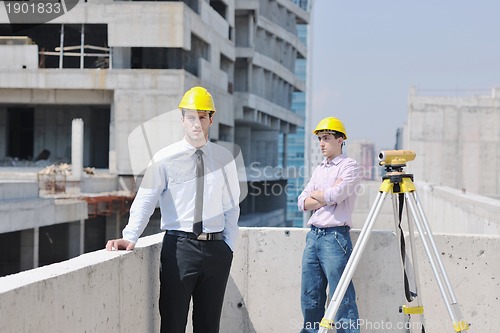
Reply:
x=330 y=124
x=197 y=98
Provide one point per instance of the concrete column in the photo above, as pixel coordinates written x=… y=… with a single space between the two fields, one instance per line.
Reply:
x=250 y=87
x=117 y=225
x=77 y=149
x=121 y=57
x=82 y=45
x=36 y=246
x=27 y=250
x=251 y=31
x=82 y=236
x=113 y=168
x=285 y=149
x=3 y=130
x=110 y=58
x=61 y=45
x=76 y=236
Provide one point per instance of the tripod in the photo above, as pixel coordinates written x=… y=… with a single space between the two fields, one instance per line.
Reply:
x=400 y=183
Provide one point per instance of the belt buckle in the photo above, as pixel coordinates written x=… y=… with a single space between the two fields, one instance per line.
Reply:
x=203 y=236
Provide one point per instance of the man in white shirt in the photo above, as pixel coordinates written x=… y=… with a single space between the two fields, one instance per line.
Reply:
x=197 y=186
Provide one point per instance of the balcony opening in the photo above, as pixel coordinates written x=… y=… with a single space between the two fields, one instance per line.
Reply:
x=220 y=7
x=242 y=33
x=199 y=49
x=10 y=247
x=43 y=133
x=54 y=244
x=21 y=132
x=225 y=133
x=157 y=58
x=241 y=69
x=95 y=233
x=66 y=45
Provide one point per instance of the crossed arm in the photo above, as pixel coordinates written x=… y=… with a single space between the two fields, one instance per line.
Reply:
x=316 y=198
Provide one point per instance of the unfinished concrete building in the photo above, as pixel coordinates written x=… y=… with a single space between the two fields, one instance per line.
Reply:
x=457 y=140
x=121 y=67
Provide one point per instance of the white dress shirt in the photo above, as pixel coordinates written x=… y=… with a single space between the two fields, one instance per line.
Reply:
x=171 y=179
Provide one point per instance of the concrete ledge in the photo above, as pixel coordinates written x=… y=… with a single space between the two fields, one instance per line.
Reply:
x=96 y=292
x=448 y=210
x=18 y=189
x=26 y=214
x=471 y=262
x=70 y=210
x=118 y=291
x=99 y=183
x=452 y=211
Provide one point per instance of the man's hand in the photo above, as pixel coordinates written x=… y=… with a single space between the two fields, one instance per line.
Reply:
x=119 y=244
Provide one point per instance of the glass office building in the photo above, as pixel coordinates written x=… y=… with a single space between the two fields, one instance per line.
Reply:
x=295 y=161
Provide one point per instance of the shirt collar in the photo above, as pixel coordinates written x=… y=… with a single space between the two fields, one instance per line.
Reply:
x=328 y=163
x=192 y=150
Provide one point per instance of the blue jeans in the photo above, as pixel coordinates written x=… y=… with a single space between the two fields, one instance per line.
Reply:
x=325 y=256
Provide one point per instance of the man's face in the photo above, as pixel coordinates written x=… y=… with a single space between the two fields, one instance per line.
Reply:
x=329 y=145
x=196 y=125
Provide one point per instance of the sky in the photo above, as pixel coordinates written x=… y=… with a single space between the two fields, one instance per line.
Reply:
x=366 y=54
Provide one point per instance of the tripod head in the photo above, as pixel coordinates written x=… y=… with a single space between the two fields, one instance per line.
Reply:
x=395 y=160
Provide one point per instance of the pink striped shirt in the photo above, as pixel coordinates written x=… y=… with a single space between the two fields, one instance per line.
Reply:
x=340 y=198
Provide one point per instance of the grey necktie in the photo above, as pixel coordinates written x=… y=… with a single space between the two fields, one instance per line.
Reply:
x=198 y=205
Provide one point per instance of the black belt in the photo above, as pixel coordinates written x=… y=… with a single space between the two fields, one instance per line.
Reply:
x=330 y=229
x=204 y=236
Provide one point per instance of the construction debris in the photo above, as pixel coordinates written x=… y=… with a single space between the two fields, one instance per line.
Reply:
x=52 y=178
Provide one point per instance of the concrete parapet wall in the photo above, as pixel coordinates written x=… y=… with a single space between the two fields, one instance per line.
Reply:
x=117 y=291
x=472 y=266
x=453 y=211
x=264 y=288
x=19 y=56
x=26 y=214
x=448 y=210
x=70 y=210
x=22 y=214
x=18 y=189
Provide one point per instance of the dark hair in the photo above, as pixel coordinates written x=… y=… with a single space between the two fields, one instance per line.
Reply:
x=210 y=113
x=335 y=134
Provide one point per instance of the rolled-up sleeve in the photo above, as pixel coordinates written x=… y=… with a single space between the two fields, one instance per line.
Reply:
x=301 y=201
x=306 y=193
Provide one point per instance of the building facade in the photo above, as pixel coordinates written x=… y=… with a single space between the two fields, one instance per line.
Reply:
x=292 y=150
x=121 y=67
x=456 y=140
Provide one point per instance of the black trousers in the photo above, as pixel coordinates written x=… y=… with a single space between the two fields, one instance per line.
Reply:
x=197 y=269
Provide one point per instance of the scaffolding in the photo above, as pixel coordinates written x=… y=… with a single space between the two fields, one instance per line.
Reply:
x=104 y=58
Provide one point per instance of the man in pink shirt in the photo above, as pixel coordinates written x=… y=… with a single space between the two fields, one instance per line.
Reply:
x=331 y=195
